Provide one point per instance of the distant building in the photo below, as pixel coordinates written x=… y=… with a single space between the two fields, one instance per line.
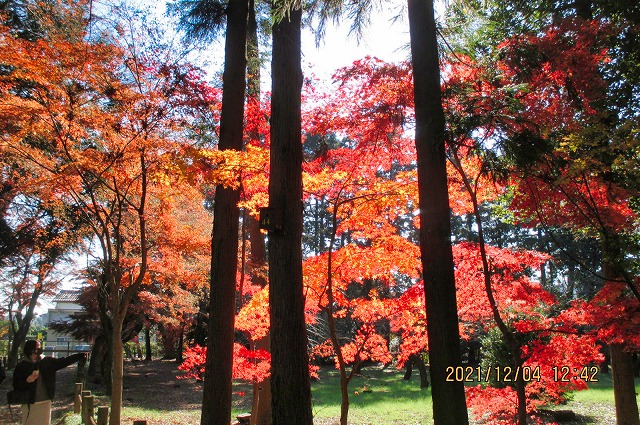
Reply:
x=66 y=305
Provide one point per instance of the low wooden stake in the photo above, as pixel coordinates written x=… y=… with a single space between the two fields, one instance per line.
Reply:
x=103 y=415
x=77 y=399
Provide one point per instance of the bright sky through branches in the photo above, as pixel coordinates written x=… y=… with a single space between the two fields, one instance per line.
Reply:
x=384 y=37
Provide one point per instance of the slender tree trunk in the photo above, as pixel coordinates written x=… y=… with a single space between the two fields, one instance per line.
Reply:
x=416 y=359
x=424 y=374
x=449 y=405
x=117 y=373
x=409 y=369
x=20 y=336
x=106 y=323
x=147 y=344
x=179 y=351
x=508 y=336
x=216 y=399
x=344 y=377
x=261 y=403
x=290 y=386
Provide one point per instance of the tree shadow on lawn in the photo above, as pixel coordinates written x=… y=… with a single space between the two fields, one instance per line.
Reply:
x=156 y=386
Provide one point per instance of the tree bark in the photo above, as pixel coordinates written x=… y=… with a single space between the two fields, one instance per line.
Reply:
x=23 y=329
x=449 y=406
x=216 y=398
x=261 y=403
x=147 y=344
x=624 y=389
x=117 y=372
x=290 y=386
x=409 y=369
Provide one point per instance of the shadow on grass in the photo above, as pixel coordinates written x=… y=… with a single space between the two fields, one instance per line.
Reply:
x=155 y=386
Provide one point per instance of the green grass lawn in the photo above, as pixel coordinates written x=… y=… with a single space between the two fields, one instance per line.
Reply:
x=391 y=400
x=599 y=392
x=375 y=397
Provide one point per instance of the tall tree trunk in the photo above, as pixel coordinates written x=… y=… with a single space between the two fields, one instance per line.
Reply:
x=117 y=372
x=624 y=389
x=449 y=406
x=290 y=386
x=216 y=398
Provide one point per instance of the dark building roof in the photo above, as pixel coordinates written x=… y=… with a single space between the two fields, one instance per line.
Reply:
x=71 y=296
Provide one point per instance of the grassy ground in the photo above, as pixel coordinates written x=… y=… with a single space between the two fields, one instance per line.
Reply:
x=377 y=397
x=389 y=400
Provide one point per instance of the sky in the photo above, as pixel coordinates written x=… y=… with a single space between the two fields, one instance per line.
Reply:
x=383 y=37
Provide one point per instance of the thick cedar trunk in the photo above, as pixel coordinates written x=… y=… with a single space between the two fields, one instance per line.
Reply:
x=216 y=399
x=624 y=389
x=449 y=406
x=290 y=386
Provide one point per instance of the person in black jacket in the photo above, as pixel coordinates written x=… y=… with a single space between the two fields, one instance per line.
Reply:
x=37 y=375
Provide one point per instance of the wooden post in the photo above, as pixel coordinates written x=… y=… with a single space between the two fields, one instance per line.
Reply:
x=77 y=399
x=80 y=373
x=103 y=415
x=85 y=407
x=88 y=402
